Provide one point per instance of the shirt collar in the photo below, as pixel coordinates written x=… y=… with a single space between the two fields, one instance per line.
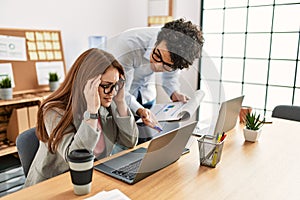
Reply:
x=150 y=48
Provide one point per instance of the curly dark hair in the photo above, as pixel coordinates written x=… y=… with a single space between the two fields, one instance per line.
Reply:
x=184 y=41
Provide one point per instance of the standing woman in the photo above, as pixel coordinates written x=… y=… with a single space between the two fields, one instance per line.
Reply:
x=87 y=111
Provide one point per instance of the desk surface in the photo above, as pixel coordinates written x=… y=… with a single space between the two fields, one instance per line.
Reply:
x=267 y=169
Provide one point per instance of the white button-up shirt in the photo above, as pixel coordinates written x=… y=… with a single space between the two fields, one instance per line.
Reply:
x=132 y=49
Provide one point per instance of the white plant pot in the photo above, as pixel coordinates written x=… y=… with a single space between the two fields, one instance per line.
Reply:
x=53 y=85
x=250 y=135
x=6 y=93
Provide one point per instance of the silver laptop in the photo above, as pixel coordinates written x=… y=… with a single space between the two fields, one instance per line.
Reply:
x=226 y=120
x=142 y=162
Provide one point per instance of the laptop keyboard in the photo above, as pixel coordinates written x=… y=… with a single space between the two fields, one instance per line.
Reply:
x=128 y=171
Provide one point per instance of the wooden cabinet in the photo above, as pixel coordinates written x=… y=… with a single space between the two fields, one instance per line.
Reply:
x=7 y=107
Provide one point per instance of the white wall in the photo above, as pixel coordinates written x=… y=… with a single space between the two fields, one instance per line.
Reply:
x=188 y=9
x=76 y=19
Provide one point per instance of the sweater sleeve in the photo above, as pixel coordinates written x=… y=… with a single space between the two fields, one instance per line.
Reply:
x=85 y=137
x=127 y=129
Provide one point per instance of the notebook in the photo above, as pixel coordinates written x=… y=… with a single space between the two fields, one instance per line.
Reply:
x=226 y=120
x=142 y=162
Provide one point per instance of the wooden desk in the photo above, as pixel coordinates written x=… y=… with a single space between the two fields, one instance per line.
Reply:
x=267 y=169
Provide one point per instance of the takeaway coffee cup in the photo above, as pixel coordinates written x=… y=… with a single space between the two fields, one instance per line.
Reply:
x=81 y=162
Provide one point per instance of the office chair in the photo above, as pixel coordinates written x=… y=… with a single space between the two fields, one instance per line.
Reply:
x=287 y=112
x=27 y=146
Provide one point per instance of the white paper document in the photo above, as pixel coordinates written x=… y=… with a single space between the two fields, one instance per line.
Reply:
x=43 y=69
x=109 y=195
x=174 y=111
x=12 y=48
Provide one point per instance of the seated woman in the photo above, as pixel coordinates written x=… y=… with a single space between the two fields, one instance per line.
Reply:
x=87 y=111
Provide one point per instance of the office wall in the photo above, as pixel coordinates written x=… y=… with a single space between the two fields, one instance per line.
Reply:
x=78 y=19
x=189 y=9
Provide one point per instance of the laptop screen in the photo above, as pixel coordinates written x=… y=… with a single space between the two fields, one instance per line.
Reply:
x=228 y=114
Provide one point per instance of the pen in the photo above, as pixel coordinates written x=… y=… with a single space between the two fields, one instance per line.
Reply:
x=217 y=137
x=215 y=156
x=216 y=151
x=223 y=137
x=157 y=128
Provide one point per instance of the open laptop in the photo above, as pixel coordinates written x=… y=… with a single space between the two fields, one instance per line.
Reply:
x=142 y=162
x=226 y=120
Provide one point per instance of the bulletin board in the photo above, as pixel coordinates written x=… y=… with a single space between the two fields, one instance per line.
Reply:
x=29 y=52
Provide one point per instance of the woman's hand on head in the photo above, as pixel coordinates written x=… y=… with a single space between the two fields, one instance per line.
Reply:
x=91 y=94
x=120 y=96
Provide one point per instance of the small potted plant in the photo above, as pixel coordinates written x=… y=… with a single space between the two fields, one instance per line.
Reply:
x=53 y=81
x=252 y=129
x=5 y=88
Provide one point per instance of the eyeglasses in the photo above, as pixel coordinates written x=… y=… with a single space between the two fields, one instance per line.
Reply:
x=108 y=88
x=157 y=57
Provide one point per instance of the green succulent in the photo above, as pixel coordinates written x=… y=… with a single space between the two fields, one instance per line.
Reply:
x=5 y=82
x=253 y=121
x=53 y=77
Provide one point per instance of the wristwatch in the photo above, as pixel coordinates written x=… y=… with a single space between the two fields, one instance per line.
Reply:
x=87 y=115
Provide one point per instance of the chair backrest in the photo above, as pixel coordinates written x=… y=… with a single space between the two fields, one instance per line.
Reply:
x=287 y=112
x=27 y=146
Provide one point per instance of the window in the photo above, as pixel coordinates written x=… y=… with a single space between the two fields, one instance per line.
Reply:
x=251 y=48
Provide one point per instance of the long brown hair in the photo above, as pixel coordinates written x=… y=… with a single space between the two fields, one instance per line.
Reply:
x=69 y=97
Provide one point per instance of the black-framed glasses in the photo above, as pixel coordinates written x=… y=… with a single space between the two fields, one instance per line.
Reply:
x=108 y=88
x=157 y=57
